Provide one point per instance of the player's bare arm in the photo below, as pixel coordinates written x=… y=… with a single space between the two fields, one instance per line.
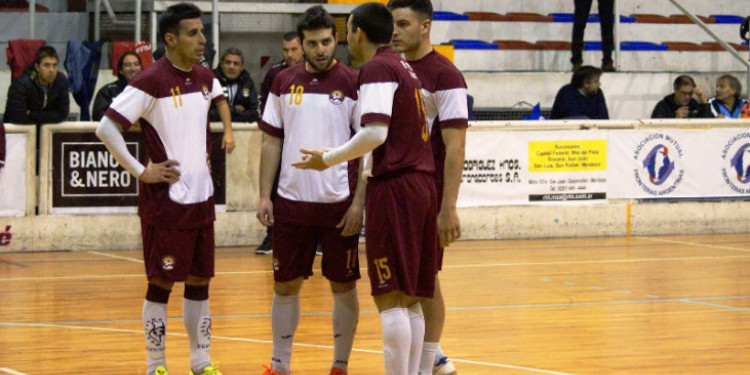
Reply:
x=352 y=220
x=226 y=119
x=449 y=225
x=270 y=156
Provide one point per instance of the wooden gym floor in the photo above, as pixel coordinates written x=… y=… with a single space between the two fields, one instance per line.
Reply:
x=639 y=305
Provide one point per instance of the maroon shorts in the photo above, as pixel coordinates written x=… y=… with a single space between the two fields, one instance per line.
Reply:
x=172 y=254
x=294 y=252
x=401 y=234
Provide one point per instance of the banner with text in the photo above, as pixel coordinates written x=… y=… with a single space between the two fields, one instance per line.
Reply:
x=87 y=179
x=13 y=177
x=523 y=167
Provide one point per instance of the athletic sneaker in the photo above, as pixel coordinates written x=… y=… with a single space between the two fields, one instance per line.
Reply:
x=268 y=370
x=209 y=370
x=337 y=371
x=443 y=366
x=160 y=370
x=318 y=249
x=265 y=247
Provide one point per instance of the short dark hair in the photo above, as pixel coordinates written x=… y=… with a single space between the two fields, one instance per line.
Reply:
x=232 y=51
x=683 y=80
x=121 y=60
x=45 y=51
x=734 y=83
x=315 y=18
x=169 y=22
x=375 y=20
x=585 y=74
x=290 y=36
x=423 y=7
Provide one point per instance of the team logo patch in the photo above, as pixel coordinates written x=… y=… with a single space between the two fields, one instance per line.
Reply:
x=275 y=264
x=246 y=92
x=204 y=91
x=659 y=157
x=167 y=263
x=736 y=170
x=336 y=97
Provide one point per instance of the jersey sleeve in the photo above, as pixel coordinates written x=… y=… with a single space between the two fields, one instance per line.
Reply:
x=451 y=99
x=272 y=122
x=377 y=88
x=132 y=104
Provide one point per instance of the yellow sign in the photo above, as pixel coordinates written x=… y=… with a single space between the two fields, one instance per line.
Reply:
x=445 y=50
x=568 y=156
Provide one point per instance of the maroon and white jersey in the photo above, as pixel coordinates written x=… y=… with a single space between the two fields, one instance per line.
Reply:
x=445 y=94
x=172 y=107
x=390 y=93
x=313 y=111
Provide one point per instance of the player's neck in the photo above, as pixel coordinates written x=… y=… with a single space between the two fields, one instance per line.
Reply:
x=418 y=53
x=179 y=62
x=369 y=50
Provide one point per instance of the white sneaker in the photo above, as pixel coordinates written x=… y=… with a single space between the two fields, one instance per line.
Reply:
x=443 y=366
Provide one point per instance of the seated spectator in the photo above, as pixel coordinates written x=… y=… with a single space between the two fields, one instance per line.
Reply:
x=582 y=98
x=41 y=95
x=238 y=87
x=681 y=103
x=128 y=66
x=727 y=103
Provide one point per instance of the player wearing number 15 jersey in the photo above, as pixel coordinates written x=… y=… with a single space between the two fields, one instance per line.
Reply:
x=400 y=225
x=171 y=100
x=314 y=103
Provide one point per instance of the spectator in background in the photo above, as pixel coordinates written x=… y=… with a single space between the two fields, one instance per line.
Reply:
x=681 y=103
x=41 y=95
x=291 y=49
x=727 y=103
x=238 y=87
x=606 y=21
x=582 y=98
x=128 y=66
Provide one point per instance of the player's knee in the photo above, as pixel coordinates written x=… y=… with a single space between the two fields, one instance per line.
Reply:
x=343 y=287
x=197 y=281
x=162 y=284
x=288 y=288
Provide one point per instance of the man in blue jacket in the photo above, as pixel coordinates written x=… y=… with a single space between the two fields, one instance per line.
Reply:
x=582 y=98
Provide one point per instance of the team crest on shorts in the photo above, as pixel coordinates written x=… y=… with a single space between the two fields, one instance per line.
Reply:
x=167 y=263
x=336 y=97
x=275 y=264
x=204 y=91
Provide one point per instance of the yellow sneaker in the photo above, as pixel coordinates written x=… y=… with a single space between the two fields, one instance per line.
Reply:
x=160 y=370
x=209 y=370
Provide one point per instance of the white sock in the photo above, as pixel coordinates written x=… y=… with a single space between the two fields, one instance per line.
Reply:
x=345 y=316
x=439 y=354
x=396 y=340
x=284 y=319
x=429 y=350
x=197 y=320
x=154 y=318
x=416 y=322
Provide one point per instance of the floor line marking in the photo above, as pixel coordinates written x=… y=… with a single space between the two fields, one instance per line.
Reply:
x=129 y=259
x=10 y=371
x=695 y=244
x=257 y=341
x=687 y=300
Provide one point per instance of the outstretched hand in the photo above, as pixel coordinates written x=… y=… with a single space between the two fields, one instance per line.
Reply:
x=165 y=171
x=311 y=159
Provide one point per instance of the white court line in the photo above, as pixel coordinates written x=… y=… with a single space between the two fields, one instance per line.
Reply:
x=136 y=260
x=241 y=339
x=714 y=305
x=694 y=244
x=10 y=371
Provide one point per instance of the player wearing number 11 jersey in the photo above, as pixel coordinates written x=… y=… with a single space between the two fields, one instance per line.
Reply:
x=400 y=225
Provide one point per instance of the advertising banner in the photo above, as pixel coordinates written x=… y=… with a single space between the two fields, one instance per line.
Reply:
x=13 y=177
x=87 y=179
x=523 y=167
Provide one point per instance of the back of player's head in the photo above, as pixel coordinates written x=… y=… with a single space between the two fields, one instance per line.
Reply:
x=169 y=22
x=375 y=20
x=584 y=74
x=44 y=52
x=421 y=7
x=290 y=36
x=315 y=18
x=682 y=81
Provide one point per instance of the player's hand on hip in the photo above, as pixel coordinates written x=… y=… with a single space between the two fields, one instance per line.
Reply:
x=228 y=142
x=351 y=223
x=311 y=159
x=165 y=171
x=265 y=212
x=449 y=226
